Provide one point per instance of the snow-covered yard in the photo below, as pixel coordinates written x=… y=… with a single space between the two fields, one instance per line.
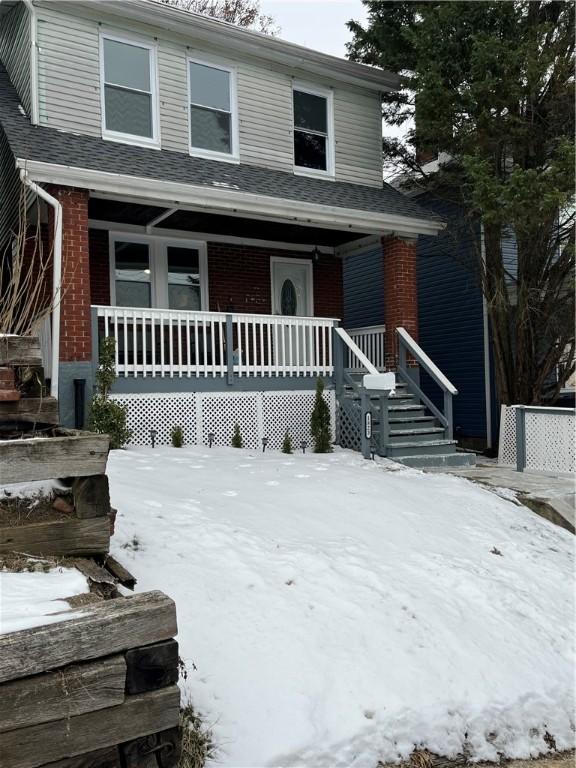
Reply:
x=333 y=612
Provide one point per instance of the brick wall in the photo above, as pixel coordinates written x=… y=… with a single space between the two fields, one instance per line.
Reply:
x=239 y=279
x=99 y=267
x=75 y=336
x=400 y=292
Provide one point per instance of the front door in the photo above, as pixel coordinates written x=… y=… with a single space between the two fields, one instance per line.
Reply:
x=292 y=297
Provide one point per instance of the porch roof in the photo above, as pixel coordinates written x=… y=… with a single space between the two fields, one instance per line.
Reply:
x=79 y=160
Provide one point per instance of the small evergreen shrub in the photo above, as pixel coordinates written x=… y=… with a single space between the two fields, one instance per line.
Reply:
x=287 y=443
x=320 y=421
x=237 y=437
x=177 y=437
x=108 y=417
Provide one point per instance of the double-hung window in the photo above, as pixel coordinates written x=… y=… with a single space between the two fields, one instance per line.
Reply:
x=129 y=100
x=313 y=131
x=212 y=110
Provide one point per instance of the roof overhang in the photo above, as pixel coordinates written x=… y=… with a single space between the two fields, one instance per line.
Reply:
x=220 y=33
x=232 y=202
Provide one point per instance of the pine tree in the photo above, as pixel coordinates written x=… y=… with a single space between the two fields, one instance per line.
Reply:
x=237 y=437
x=320 y=421
x=287 y=443
x=177 y=437
x=107 y=416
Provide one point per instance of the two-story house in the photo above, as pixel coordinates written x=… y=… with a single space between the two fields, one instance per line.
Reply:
x=200 y=185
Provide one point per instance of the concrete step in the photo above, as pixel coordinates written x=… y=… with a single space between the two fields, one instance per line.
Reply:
x=421 y=447
x=447 y=460
x=426 y=435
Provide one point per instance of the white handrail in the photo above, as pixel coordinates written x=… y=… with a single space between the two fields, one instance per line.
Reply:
x=425 y=361
x=355 y=349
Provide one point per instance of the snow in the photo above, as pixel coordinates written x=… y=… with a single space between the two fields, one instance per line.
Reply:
x=30 y=599
x=334 y=613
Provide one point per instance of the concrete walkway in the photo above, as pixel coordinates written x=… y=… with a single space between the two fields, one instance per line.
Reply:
x=546 y=493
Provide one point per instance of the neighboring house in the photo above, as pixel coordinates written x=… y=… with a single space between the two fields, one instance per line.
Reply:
x=210 y=181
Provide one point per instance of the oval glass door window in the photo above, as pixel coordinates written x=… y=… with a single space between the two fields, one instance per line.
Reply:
x=288 y=298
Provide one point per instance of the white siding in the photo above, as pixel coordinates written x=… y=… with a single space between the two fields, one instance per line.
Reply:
x=68 y=73
x=70 y=98
x=15 y=50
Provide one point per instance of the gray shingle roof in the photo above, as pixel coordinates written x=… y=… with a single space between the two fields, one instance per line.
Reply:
x=50 y=145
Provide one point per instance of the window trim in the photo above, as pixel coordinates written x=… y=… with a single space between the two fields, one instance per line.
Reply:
x=234 y=155
x=129 y=138
x=328 y=94
x=157 y=248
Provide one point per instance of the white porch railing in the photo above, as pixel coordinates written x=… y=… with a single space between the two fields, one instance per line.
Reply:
x=168 y=343
x=370 y=341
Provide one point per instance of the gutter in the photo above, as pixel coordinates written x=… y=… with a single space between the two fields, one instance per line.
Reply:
x=229 y=201
x=56 y=276
x=34 y=116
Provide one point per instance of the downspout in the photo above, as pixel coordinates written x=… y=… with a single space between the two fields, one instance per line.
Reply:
x=486 y=329
x=34 y=118
x=56 y=276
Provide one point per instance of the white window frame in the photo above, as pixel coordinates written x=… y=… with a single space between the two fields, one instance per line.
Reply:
x=157 y=249
x=234 y=155
x=129 y=138
x=328 y=94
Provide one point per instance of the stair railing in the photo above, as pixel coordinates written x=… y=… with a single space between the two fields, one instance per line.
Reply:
x=406 y=344
x=344 y=344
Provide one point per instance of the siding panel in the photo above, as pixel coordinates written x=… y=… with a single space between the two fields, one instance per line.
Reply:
x=15 y=51
x=364 y=288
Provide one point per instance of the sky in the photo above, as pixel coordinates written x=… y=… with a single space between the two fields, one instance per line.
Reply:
x=318 y=24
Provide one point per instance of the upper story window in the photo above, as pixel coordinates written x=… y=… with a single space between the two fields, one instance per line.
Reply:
x=212 y=111
x=313 y=131
x=129 y=101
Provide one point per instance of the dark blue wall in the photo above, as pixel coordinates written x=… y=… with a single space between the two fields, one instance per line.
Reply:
x=450 y=310
x=364 y=289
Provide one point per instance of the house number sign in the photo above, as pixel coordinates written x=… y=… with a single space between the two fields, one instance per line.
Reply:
x=368 y=425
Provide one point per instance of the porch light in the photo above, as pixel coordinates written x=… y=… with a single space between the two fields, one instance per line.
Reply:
x=210 y=439
x=316 y=254
x=304 y=445
x=153 y=433
x=264 y=444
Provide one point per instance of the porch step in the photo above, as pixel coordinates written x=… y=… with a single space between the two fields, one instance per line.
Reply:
x=426 y=461
x=420 y=447
x=427 y=435
x=411 y=409
x=408 y=420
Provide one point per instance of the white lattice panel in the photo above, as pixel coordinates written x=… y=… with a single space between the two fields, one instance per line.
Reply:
x=549 y=440
x=160 y=412
x=219 y=413
x=291 y=410
x=259 y=414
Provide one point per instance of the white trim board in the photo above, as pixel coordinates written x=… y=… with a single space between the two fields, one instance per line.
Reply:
x=232 y=202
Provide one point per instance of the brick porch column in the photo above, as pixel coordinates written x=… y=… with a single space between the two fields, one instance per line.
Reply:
x=400 y=293
x=75 y=333
x=75 y=320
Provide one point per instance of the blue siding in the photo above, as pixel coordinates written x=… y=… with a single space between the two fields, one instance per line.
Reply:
x=363 y=275
x=451 y=315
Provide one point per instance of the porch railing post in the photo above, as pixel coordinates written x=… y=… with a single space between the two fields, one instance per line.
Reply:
x=365 y=420
x=520 y=438
x=448 y=412
x=402 y=354
x=338 y=353
x=230 y=349
x=95 y=343
x=384 y=425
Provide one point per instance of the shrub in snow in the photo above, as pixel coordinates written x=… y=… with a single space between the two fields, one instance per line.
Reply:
x=320 y=421
x=287 y=443
x=177 y=437
x=237 y=437
x=107 y=416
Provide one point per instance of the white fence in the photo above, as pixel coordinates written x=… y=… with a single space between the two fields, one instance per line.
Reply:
x=213 y=415
x=546 y=441
x=162 y=342
x=371 y=341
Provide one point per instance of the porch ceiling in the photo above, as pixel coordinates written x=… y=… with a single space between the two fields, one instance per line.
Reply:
x=123 y=213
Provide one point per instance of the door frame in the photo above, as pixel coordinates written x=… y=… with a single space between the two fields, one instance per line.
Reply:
x=309 y=276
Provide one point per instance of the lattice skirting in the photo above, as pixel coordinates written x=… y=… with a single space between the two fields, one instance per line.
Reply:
x=348 y=427
x=549 y=440
x=259 y=414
